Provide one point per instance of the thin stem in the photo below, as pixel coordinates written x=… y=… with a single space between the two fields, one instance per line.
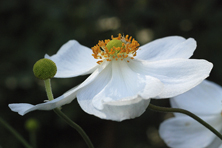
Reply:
x=75 y=126
x=48 y=89
x=65 y=118
x=165 y=109
x=15 y=133
x=32 y=136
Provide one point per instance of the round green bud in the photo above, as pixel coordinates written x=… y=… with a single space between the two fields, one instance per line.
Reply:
x=114 y=43
x=44 y=69
x=31 y=125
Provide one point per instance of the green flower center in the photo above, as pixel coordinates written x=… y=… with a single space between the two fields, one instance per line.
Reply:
x=114 y=43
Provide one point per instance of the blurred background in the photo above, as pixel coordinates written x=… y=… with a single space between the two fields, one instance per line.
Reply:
x=30 y=29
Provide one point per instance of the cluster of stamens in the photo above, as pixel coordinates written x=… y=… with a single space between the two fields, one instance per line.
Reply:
x=118 y=48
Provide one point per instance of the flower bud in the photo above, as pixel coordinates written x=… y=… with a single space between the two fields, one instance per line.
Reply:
x=44 y=69
x=32 y=125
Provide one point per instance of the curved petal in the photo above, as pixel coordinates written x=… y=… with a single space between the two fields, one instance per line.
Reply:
x=23 y=108
x=204 y=99
x=125 y=84
x=177 y=75
x=216 y=143
x=118 y=89
x=184 y=132
x=127 y=109
x=73 y=59
x=167 y=48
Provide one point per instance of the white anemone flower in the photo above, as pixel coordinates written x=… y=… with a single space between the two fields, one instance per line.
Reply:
x=124 y=76
x=181 y=131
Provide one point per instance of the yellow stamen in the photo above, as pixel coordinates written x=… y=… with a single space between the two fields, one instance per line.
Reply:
x=118 y=48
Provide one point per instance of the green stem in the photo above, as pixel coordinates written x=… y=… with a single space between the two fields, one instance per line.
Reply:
x=48 y=89
x=75 y=126
x=15 y=133
x=65 y=118
x=165 y=109
x=32 y=136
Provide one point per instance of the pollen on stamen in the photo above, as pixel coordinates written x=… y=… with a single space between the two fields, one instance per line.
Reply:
x=118 y=48
x=99 y=61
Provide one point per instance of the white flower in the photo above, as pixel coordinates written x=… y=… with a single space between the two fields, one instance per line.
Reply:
x=205 y=100
x=124 y=78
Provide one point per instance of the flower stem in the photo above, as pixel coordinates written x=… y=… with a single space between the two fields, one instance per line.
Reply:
x=48 y=89
x=32 y=137
x=75 y=126
x=15 y=133
x=165 y=109
x=65 y=118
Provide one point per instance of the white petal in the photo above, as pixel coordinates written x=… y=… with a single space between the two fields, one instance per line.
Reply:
x=23 y=108
x=184 y=132
x=204 y=99
x=120 y=89
x=167 y=48
x=73 y=59
x=216 y=143
x=177 y=75
x=125 y=84
x=127 y=109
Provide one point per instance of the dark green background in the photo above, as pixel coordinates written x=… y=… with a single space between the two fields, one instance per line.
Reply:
x=30 y=29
